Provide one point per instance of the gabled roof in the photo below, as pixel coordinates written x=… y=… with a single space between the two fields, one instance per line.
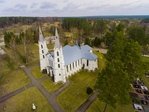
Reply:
x=74 y=53
x=71 y=54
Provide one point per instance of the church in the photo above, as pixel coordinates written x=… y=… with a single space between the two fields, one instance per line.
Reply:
x=65 y=61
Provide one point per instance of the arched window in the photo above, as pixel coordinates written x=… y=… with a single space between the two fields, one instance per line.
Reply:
x=87 y=63
x=76 y=63
x=67 y=68
x=70 y=66
x=57 y=59
x=57 y=53
x=73 y=64
x=41 y=46
x=43 y=57
x=42 y=51
x=58 y=65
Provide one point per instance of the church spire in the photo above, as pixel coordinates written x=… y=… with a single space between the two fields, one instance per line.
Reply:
x=41 y=38
x=57 y=42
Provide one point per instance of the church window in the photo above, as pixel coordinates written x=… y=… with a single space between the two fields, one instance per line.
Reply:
x=43 y=56
x=41 y=46
x=42 y=51
x=57 y=59
x=76 y=63
x=57 y=53
x=70 y=66
x=87 y=62
x=73 y=64
x=67 y=68
x=58 y=65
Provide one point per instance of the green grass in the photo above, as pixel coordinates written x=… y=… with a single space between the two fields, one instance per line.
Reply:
x=13 y=81
x=98 y=106
x=51 y=86
x=101 y=60
x=23 y=102
x=75 y=94
x=145 y=59
x=146 y=68
x=36 y=72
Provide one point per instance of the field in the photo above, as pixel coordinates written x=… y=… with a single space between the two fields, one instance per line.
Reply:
x=13 y=81
x=23 y=102
x=36 y=72
x=51 y=86
x=76 y=94
x=98 y=106
x=11 y=78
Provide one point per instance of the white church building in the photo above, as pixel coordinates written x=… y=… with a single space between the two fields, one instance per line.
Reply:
x=62 y=62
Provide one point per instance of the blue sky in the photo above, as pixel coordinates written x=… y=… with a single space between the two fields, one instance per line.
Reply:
x=73 y=7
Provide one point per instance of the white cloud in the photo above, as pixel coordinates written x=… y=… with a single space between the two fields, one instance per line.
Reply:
x=72 y=7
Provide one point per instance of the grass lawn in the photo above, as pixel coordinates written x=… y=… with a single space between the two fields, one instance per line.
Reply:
x=13 y=80
x=23 y=102
x=36 y=72
x=98 y=106
x=101 y=60
x=75 y=94
x=146 y=68
x=51 y=86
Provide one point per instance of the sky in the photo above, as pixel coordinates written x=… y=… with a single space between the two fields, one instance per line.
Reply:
x=62 y=8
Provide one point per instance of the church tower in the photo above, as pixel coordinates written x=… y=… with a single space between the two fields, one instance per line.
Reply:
x=58 y=62
x=43 y=51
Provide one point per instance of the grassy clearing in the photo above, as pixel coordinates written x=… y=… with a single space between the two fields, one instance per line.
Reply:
x=51 y=86
x=98 y=106
x=36 y=72
x=13 y=80
x=146 y=68
x=23 y=102
x=75 y=94
x=101 y=60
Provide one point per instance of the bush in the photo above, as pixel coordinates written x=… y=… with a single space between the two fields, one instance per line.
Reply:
x=89 y=90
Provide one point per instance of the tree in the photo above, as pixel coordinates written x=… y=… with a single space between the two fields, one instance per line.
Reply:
x=100 y=26
x=137 y=34
x=123 y=65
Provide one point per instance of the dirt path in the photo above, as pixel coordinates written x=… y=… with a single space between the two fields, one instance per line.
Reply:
x=9 y=95
x=87 y=103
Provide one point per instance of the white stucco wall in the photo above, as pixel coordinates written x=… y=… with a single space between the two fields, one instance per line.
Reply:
x=43 y=52
x=59 y=72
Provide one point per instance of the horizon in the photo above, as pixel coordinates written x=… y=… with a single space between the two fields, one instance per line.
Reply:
x=83 y=16
x=70 y=8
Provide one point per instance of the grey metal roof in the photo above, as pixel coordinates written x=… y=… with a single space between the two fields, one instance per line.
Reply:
x=74 y=53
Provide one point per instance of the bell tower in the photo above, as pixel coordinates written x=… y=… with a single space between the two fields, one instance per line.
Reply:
x=43 y=51
x=59 y=70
